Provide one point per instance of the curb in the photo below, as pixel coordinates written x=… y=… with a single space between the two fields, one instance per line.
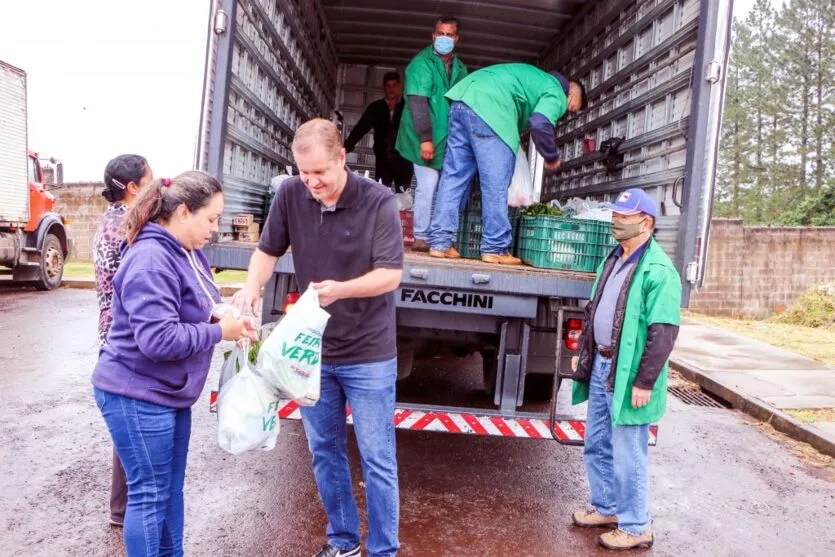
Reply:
x=755 y=408
x=226 y=290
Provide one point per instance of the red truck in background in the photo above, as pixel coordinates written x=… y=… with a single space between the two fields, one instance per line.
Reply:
x=33 y=237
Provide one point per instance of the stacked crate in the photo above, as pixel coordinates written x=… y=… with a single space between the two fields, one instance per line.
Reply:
x=246 y=229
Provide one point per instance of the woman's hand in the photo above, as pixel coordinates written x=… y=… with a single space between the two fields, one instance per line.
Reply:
x=236 y=329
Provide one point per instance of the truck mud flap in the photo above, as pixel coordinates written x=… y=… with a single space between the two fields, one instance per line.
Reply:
x=470 y=421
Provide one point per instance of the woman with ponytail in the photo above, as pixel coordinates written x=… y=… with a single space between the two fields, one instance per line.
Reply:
x=124 y=178
x=156 y=360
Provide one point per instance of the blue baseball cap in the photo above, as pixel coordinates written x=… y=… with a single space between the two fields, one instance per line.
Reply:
x=633 y=202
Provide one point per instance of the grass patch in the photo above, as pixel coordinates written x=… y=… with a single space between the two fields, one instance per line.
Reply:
x=816 y=308
x=80 y=270
x=818 y=344
x=811 y=415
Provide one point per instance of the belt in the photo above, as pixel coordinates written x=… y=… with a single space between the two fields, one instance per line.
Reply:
x=607 y=353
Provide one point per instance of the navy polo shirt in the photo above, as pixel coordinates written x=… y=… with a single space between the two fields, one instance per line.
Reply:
x=360 y=234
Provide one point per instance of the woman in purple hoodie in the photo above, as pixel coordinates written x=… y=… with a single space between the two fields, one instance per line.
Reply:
x=154 y=366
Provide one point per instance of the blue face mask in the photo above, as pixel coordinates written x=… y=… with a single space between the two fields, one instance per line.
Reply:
x=444 y=45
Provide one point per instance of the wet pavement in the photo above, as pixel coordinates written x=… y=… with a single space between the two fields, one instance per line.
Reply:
x=719 y=486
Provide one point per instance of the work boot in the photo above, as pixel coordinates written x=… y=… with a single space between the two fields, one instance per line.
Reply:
x=331 y=551
x=500 y=259
x=420 y=246
x=618 y=540
x=593 y=519
x=451 y=253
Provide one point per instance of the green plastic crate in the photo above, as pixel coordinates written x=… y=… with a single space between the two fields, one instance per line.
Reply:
x=562 y=243
x=470 y=231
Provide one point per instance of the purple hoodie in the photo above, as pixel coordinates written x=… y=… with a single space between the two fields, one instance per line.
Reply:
x=161 y=342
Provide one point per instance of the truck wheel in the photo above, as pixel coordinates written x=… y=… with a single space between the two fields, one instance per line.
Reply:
x=52 y=264
x=489 y=370
x=405 y=358
x=538 y=387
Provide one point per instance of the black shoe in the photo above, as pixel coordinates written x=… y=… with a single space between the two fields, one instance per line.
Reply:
x=331 y=551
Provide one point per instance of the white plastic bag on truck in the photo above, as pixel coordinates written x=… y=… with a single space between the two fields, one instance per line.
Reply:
x=247 y=407
x=291 y=358
x=520 y=193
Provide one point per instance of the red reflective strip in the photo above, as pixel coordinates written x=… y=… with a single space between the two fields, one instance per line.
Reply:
x=580 y=428
x=474 y=424
x=448 y=423
x=423 y=422
x=288 y=409
x=400 y=416
x=213 y=398
x=348 y=411
x=502 y=427
x=529 y=428
x=557 y=430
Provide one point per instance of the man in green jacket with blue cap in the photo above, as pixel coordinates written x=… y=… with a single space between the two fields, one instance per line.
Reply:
x=631 y=325
x=490 y=108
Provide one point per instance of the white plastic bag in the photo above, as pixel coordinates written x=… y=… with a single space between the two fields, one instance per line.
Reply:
x=291 y=358
x=247 y=408
x=520 y=193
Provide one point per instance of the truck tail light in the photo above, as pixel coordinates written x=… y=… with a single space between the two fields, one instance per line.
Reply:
x=572 y=336
x=290 y=301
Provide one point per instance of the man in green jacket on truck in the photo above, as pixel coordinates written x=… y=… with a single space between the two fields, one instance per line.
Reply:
x=422 y=137
x=631 y=325
x=490 y=108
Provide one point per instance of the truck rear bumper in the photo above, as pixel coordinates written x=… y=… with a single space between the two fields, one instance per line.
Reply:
x=472 y=421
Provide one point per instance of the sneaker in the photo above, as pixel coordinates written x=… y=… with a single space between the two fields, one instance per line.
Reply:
x=618 y=540
x=117 y=522
x=501 y=259
x=593 y=519
x=331 y=551
x=451 y=253
x=420 y=246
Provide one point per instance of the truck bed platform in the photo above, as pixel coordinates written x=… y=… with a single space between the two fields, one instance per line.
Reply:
x=420 y=270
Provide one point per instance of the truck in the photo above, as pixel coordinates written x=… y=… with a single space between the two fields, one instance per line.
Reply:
x=33 y=236
x=654 y=72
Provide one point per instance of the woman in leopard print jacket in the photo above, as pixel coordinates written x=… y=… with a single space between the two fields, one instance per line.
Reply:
x=124 y=177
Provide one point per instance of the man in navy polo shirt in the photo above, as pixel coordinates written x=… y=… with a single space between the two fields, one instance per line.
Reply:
x=347 y=244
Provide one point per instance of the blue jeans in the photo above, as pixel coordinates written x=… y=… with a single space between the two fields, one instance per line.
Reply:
x=616 y=458
x=369 y=391
x=427 y=183
x=472 y=146
x=152 y=443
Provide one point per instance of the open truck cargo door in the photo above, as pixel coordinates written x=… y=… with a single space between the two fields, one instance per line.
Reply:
x=653 y=72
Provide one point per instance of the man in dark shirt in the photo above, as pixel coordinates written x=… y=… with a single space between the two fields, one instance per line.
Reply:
x=383 y=116
x=347 y=244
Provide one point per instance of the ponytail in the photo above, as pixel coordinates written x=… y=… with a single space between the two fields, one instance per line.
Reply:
x=157 y=202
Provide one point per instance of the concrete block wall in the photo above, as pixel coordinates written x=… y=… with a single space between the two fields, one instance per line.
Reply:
x=83 y=205
x=754 y=272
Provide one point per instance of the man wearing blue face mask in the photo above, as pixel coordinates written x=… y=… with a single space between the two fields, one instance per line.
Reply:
x=422 y=136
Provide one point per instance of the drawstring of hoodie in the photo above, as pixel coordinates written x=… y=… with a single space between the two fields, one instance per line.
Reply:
x=200 y=273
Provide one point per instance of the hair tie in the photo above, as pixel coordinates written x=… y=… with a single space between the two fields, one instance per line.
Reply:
x=166 y=182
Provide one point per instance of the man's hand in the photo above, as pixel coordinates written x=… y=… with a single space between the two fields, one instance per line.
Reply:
x=575 y=362
x=329 y=291
x=640 y=397
x=427 y=151
x=553 y=166
x=247 y=299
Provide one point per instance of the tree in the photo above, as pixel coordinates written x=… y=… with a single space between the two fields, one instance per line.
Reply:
x=778 y=136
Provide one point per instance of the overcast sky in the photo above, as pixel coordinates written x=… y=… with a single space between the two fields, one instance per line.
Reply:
x=115 y=76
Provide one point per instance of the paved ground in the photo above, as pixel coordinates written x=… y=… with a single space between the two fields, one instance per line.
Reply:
x=719 y=487
x=780 y=379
